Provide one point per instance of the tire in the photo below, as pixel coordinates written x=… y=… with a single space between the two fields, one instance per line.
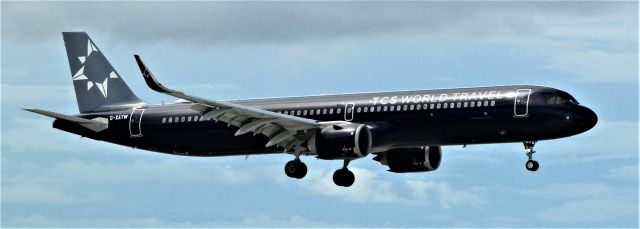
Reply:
x=338 y=177
x=532 y=165
x=301 y=170
x=290 y=168
x=349 y=178
x=343 y=177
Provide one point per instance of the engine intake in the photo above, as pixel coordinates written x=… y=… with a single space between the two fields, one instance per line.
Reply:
x=343 y=141
x=423 y=159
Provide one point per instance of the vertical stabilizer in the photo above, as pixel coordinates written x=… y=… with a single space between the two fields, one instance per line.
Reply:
x=98 y=86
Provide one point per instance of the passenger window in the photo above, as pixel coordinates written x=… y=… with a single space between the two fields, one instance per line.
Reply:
x=445 y=105
x=411 y=107
x=298 y=112
x=459 y=105
x=331 y=111
x=324 y=111
x=398 y=108
x=384 y=108
x=473 y=104
x=393 y=108
x=286 y=112
x=378 y=109
x=358 y=109
x=479 y=104
x=164 y=120
x=366 y=109
x=465 y=104
x=452 y=105
x=418 y=107
x=170 y=119
x=182 y=119
x=404 y=107
x=430 y=106
x=304 y=112
x=189 y=119
x=177 y=119
x=339 y=110
x=486 y=103
x=312 y=111
x=493 y=102
x=317 y=111
x=438 y=106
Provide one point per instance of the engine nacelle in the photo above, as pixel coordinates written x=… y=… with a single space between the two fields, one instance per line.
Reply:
x=423 y=159
x=341 y=141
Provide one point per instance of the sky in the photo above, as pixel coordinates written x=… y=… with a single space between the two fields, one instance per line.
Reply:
x=232 y=50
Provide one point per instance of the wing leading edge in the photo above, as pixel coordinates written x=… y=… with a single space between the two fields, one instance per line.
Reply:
x=286 y=131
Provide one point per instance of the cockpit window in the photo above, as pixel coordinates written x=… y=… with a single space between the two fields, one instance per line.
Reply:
x=548 y=98
x=555 y=100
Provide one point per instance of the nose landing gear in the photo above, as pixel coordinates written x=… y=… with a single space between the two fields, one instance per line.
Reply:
x=531 y=164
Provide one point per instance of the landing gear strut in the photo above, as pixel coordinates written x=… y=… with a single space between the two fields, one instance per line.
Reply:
x=295 y=168
x=531 y=164
x=344 y=177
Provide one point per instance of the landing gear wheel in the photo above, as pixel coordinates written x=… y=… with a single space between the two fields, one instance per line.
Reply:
x=343 y=177
x=295 y=169
x=532 y=165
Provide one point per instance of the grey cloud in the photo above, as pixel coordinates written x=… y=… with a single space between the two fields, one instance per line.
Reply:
x=276 y=22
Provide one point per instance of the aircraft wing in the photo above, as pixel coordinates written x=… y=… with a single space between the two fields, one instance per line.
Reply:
x=289 y=132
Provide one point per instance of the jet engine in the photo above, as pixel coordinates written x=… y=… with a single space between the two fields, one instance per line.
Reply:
x=423 y=159
x=342 y=141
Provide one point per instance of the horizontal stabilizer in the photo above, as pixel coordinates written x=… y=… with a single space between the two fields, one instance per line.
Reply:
x=96 y=124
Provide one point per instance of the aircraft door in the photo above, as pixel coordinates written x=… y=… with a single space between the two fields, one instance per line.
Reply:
x=348 y=111
x=521 y=103
x=135 y=123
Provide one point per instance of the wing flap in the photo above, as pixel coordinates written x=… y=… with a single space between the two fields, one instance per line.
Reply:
x=283 y=130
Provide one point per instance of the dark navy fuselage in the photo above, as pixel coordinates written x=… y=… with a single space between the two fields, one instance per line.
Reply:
x=397 y=120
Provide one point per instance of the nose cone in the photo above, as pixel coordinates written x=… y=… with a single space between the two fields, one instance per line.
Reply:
x=587 y=118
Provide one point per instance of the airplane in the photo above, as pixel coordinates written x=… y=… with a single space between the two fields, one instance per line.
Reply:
x=405 y=130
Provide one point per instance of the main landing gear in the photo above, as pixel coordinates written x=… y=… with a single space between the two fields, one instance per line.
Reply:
x=531 y=164
x=344 y=177
x=295 y=168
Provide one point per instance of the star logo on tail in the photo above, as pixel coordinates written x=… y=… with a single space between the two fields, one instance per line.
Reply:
x=80 y=74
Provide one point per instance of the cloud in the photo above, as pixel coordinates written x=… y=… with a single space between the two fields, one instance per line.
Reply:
x=27 y=95
x=36 y=220
x=264 y=220
x=60 y=182
x=267 y=22
x=33 y=193
x=368 y=187
x=587 y=204
x=261 y=220
x=608 y=140
x=77 y=172
x=591 y=212
x=447 y=197
x=576 y=57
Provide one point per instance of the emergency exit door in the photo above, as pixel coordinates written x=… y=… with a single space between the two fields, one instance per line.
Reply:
x=521 y=103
